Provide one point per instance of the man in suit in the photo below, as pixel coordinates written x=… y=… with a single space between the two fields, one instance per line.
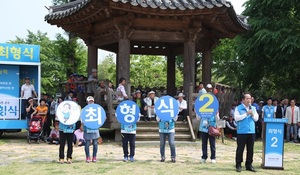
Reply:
x=278 y=109
x=293 y=115
x=245 y=115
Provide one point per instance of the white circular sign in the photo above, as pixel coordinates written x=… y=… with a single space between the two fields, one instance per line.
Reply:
x=68 y=112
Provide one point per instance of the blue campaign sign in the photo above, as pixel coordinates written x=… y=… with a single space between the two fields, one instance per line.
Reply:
x=93 y=116
x=206 y=105
x=127 y=112
x=274 y=142
x=19 y=52
x=166 y=108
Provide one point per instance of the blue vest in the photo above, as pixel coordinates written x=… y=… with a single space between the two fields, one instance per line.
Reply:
x=128 y=128
x=206 y=122
x=67 y=128
x=247 y=125
x=88 y=130
x=268 y=111
x=166 y=126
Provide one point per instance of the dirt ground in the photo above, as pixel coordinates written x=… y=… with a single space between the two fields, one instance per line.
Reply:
x=18 y=156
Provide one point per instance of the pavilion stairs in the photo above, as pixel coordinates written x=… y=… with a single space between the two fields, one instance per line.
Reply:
x=148 y=131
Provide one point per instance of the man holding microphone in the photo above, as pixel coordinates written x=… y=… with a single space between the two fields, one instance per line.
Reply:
x=245 y=115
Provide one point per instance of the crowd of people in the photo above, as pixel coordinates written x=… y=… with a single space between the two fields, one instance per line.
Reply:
x=244 y=114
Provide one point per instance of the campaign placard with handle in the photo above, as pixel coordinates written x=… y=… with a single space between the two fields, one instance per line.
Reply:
x=206 y=105
x=93 y=116
x=166 y=108
x=128 y=112
x=68 y=112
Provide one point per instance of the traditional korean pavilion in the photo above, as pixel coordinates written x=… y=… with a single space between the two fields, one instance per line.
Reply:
x=151 y=27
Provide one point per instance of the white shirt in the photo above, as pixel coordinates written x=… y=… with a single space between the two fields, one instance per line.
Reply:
x=202 y=91
x=122 y=90
x=182 y=104
x=27 y=90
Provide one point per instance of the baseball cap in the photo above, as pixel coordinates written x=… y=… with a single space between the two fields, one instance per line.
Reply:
x=90 y=98
x=209 y=86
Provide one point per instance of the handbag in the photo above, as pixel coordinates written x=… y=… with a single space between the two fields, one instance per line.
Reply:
x=214 y=131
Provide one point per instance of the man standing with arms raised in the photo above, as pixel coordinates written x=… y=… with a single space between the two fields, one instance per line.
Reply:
x=245 y=115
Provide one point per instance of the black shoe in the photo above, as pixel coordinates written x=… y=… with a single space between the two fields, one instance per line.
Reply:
x=239 y=169
x=162 y=159
x=250 y=168
x=173 y=160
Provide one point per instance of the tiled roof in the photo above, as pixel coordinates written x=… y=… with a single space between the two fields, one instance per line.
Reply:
x=61 y=11
x=177 y=4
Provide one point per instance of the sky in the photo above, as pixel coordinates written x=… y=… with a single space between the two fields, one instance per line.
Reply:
x=18 y=16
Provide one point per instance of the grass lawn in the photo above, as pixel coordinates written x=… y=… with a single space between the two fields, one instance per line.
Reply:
x=18 y=157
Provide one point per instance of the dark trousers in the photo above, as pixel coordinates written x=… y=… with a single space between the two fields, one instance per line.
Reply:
x=131 y=139
x=63 y=138
x=183 y=113
x=46 y=128
x=212 y=143
x=258 y=126
x=242 y=141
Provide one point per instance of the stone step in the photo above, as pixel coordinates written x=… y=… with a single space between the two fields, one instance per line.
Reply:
x=155 y=137
x=155 y=129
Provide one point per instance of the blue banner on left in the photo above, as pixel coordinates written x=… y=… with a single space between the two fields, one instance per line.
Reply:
x=9 y=92
x=93 y=116
x=19 y=52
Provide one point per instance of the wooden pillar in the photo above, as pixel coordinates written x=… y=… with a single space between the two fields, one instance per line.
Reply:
x=171 y=58
x=206 y=67
x=92 y=59
x=123 y=59
x=189 y=65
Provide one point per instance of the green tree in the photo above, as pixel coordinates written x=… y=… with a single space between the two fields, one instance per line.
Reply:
x=270 y=50
x=107 y=68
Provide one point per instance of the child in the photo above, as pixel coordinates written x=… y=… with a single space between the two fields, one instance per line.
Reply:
x=128 y=133
x=54 y=135
x=78 y=137
x=167 y=128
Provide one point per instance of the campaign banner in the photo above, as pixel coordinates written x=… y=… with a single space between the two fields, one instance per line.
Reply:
x=128 y=112
x=166 y=108
x=206 y=105
x=19 y=52
x=68 y=112
x=274 y=139
x=9 y=92
x=93 y=116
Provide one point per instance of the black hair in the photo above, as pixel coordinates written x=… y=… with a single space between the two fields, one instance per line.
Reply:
x=42 y=100
x=68 y=105
x=121 y=79
x=246 y=93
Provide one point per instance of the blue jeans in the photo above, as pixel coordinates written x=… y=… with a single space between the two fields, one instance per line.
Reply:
x=87 y=147
x=212 y=143
x=294 y=131
x=171 y=138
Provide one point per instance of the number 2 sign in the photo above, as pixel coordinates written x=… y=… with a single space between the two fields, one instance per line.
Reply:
x=206 y=105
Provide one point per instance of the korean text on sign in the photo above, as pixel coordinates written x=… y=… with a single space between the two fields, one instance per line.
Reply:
x=19 y=52
x=127 y=112
x=93 y=116
x=166 y=108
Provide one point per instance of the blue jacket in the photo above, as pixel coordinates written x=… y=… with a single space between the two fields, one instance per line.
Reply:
x=268 y=111
x=247 y=125
x=67 y=128
x=206 y=122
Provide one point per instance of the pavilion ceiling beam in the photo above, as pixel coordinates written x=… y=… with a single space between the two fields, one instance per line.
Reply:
x=150 y=36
